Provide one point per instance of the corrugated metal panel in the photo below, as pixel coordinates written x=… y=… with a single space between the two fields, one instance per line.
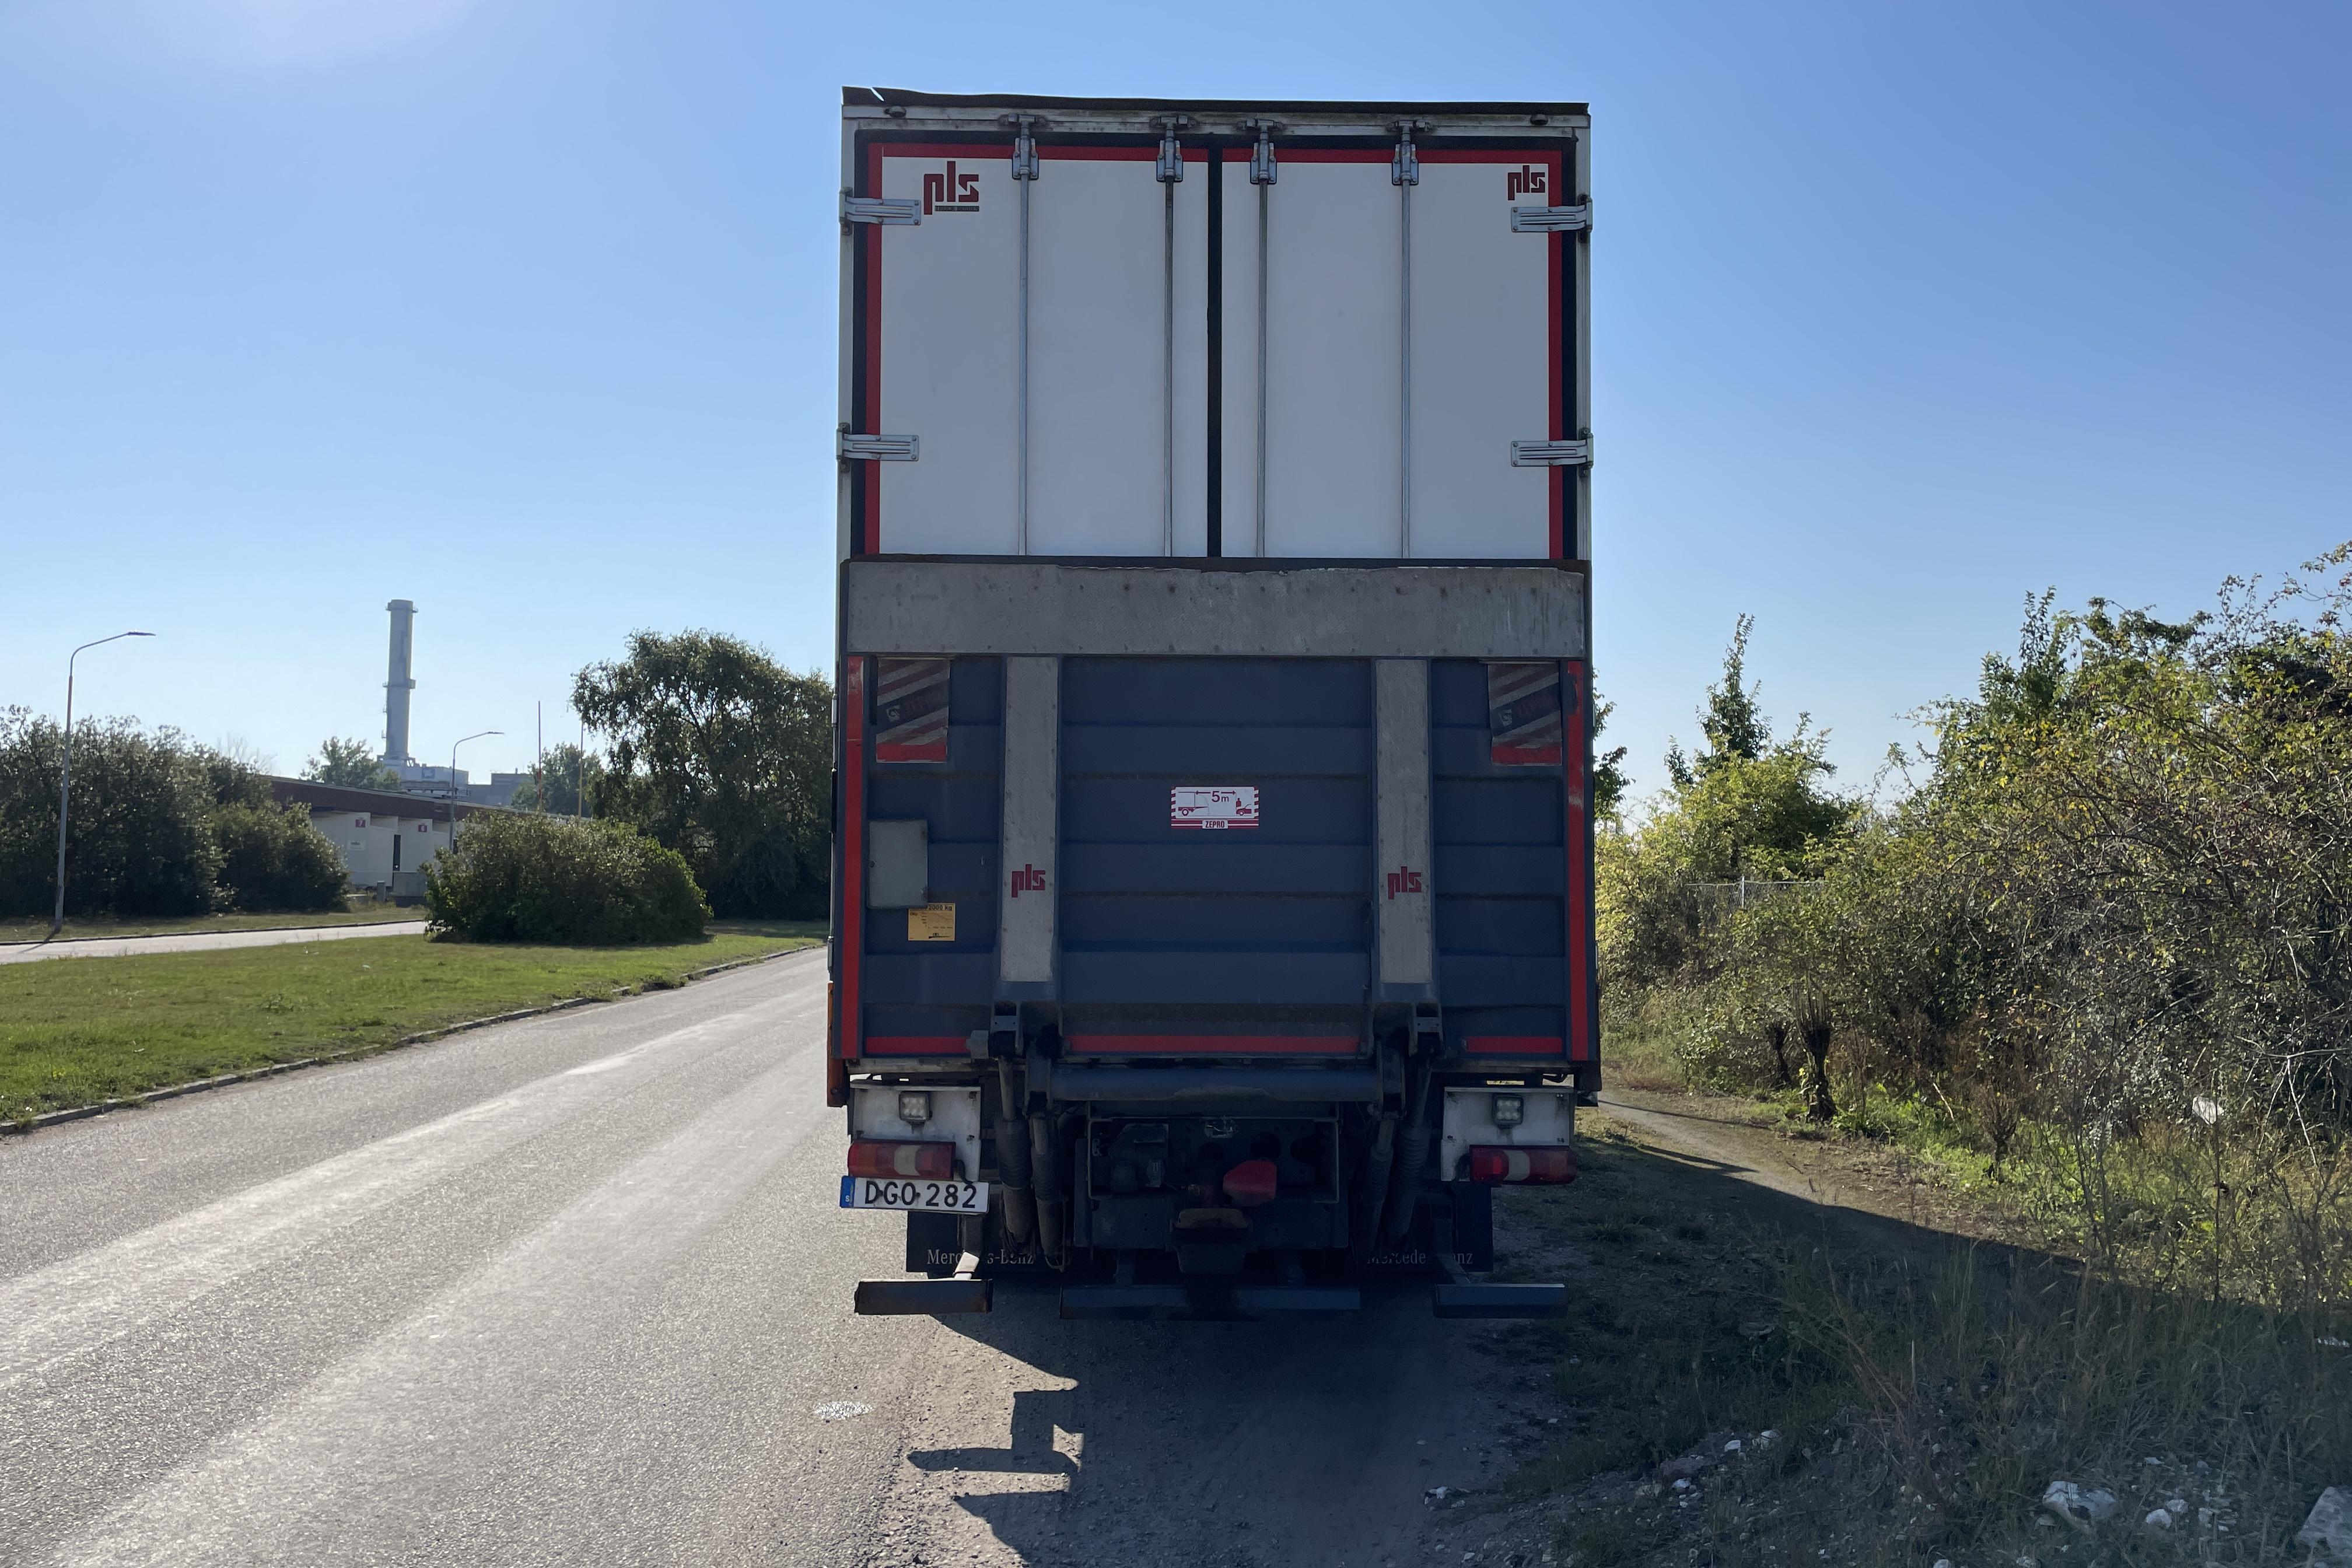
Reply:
x=1164 y=929
x=924 y=997
x=1501 y=882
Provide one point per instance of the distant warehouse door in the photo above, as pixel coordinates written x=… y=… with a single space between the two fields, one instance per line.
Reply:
x=1216 y=828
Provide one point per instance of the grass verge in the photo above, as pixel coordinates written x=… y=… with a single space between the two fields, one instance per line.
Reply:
x=1898 y=1393
x=38 y=929
x=78 y=1033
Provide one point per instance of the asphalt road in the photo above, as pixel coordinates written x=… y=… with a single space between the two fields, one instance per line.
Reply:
x=199 y=941
x=575 y=1290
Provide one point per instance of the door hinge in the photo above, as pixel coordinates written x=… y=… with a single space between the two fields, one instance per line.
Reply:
x=852 y=449
x=1577 y=219
x=880 y=209
x=1404 y=164
x=1169 y=168
x=1024 y=147
x=1261 y=168
x=1573 y=453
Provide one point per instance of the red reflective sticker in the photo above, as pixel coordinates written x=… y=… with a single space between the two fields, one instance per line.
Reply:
x=1501 y=1162
x=883 y=1157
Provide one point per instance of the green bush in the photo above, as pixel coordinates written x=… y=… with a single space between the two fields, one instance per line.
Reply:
x=140 y=841
x=518 y=877
x=272 y=859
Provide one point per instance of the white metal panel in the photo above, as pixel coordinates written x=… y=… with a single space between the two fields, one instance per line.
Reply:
x=1402 y=881
x=897 y=863
x=1547 y=1120
x=943 y=344
x=950 y=361
x=955 y=1116
x=1025 y=927
x=1482 y=351
x=1334 y=272
x=1097 y=380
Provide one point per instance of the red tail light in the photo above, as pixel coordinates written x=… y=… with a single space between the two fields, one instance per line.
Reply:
x=1496 y=1162
x=1251 y=1183
x=884 y=1157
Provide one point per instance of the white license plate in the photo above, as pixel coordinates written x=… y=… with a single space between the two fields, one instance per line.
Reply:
x=913 y=1193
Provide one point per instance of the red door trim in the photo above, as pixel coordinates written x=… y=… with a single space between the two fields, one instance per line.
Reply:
x=851 y=1027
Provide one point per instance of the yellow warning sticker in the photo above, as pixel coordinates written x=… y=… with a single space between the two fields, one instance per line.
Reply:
x=931 y=922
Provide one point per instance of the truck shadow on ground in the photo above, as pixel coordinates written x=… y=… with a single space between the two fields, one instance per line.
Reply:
x=1321 y=1441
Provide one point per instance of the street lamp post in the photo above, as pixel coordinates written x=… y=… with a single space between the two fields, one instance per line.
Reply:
x=453 y=778
x=65 y=774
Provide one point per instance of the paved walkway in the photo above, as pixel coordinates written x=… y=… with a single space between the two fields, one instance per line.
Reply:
x=201 y=942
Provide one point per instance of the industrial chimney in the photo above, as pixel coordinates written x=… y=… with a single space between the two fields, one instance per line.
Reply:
x=398 y=684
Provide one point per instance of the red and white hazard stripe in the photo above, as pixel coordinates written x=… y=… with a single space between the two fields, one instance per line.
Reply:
x=1523 y=714
x=910 y=711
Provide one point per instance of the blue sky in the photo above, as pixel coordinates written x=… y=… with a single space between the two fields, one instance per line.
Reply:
x=526 y=310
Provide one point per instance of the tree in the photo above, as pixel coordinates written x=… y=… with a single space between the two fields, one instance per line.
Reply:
x=1747 y=808
x=139 y=839
x=1608 y=781
x=725 y=756
x=159 y=826
x=558 y=790
x=351 y=763
x=1733 y=724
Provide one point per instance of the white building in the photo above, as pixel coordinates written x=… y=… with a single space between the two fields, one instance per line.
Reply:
x=384 y=835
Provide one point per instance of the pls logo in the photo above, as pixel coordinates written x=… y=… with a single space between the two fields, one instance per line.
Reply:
x=1028 y=879
x=1403 y=879
x=955 y=191
x=1527 y=180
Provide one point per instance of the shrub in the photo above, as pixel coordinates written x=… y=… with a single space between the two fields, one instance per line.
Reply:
x=272 y=859
x=515 y=877
x=138 y=841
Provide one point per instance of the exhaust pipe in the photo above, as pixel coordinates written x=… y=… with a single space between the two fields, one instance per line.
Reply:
x=1376 y=1159
x=1412 y=1160
x=1053 y=1201
x=1013 y=1158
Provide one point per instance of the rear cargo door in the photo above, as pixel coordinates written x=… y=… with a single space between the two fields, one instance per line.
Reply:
x=1103 y=452
x=1400 y=335
x=1216 y=822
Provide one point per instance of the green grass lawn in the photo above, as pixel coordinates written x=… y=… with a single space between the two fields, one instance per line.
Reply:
x=77 y=1031
x=38 y=929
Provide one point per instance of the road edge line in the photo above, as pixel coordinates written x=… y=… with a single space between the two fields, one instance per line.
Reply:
x=27 y=1127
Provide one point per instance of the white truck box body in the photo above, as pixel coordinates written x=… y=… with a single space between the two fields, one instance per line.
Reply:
x=1410 y=331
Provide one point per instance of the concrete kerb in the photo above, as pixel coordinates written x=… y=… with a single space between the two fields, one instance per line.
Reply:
x=174 y=1091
